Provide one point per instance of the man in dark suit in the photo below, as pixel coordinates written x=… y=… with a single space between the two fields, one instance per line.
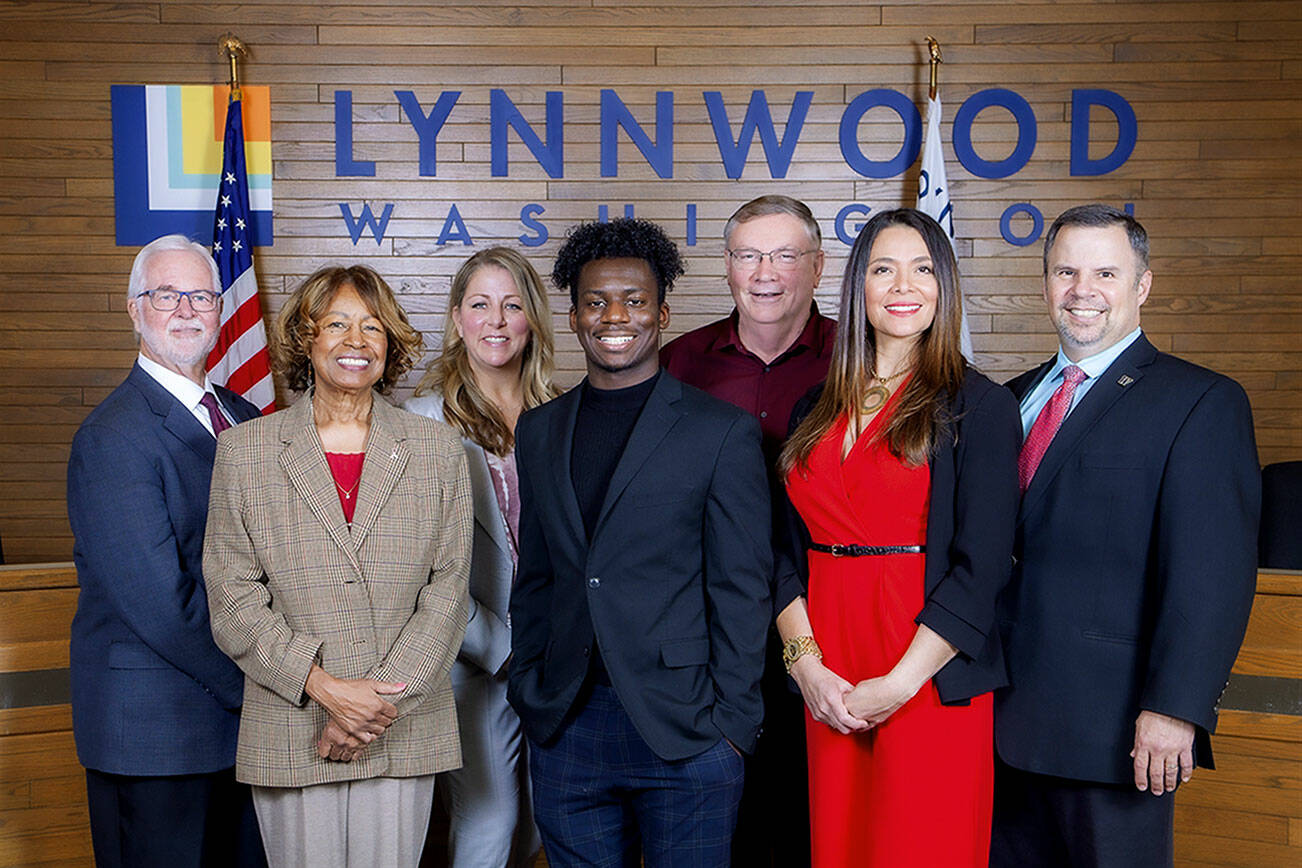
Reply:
x=155 y=704
x=1135 y=566
x=642 y=603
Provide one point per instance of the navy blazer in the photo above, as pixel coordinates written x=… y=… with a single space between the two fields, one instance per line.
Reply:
x=1136 y=564
x=151 y=693
x=673 y=587
x=970 y=516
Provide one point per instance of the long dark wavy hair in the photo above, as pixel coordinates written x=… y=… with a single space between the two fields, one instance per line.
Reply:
x=921 y=413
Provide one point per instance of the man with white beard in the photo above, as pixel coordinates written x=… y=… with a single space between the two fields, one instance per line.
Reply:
x=155 y=704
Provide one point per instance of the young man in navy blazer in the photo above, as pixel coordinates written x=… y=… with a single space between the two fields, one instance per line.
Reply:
x=1135 y=563
x=642 y=603
x=155 y=704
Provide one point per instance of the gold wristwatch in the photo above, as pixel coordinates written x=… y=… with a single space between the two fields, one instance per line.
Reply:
x=798 y=646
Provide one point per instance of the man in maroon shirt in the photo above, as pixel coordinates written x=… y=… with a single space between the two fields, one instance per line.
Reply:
x=763 y=357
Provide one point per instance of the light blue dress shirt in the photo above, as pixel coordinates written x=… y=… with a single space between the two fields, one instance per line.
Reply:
x=1093 y=366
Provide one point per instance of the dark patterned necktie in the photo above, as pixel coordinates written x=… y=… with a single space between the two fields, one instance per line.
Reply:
x=219 y=423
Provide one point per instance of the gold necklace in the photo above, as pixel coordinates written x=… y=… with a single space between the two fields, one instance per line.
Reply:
x=876 y=395
x=348 y=492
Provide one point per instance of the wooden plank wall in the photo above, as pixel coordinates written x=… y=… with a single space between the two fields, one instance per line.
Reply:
x=1215 y=173
x=1248 y=812
x=43 y=818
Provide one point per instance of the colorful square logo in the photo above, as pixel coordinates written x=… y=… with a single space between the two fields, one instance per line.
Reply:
x=167 y=159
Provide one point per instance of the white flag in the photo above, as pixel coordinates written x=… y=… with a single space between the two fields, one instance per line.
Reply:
x=933 y=193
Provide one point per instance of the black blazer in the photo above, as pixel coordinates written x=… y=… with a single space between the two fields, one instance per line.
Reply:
x=673 y=587
x=969 y=534
x=1136 y=548
x=141 y=650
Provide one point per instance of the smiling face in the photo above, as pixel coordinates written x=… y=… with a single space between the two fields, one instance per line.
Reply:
x=1094 y=288
x=765 y=295
x=180 y=339
x=618 y=321
x=900 y=286
x=491 y=320
x=349 y=350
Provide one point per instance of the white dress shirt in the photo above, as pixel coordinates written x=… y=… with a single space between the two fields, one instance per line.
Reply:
x=185 y=390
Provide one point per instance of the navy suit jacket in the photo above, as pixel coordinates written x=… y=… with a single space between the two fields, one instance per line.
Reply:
x=1136 y=554
x=673 y=586
x=970 y=514
x=151 y=693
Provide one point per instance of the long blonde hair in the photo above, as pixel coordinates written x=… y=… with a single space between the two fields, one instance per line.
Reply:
x=921 y=413
x=465 y=406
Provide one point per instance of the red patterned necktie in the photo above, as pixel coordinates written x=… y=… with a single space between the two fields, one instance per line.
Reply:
x=1046 y=425
x=218 y=418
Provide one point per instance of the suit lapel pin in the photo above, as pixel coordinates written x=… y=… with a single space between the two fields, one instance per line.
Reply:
x=1125 y=380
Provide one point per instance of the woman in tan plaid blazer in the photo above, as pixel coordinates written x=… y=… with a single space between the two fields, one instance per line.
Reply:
x=343 y=599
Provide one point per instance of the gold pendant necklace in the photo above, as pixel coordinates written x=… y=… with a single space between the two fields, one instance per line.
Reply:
x=876 y=395
x=874 y=398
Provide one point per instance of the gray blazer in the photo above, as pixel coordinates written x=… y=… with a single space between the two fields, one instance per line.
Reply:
x=487 y=643
x=290 y=583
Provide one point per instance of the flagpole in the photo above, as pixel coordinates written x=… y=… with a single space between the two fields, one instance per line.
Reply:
x=240 y=360
x=933 y=187
x=933 y=48
x=230 y=46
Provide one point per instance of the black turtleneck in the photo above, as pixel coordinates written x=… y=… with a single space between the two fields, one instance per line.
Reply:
x=601 y=431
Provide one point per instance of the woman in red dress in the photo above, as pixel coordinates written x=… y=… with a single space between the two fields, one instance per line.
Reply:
x=903 y=473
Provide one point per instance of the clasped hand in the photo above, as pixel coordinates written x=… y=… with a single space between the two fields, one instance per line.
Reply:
x=824 y=692
x=875 y=699
x=358 y=711
x=843 y=706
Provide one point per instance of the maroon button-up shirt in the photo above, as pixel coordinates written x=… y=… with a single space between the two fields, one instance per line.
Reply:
x=712 y=359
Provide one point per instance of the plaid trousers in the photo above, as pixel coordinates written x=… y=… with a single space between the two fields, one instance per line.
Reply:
x=600 y=794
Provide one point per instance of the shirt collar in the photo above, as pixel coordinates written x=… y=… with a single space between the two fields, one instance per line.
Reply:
x=185 y=390
x=1096 y=364
x=812 y=336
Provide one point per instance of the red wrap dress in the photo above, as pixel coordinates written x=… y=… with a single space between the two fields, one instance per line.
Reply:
x=916 y=790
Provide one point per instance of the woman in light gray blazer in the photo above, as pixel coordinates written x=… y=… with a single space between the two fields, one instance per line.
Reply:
x=496 y=362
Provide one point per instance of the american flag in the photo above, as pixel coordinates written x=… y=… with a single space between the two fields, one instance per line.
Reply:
x=240 y=361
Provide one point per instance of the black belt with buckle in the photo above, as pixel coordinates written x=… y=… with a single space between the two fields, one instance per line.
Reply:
x=857 y=551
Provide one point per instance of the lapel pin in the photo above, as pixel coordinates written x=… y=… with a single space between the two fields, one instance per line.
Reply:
x=1125 y=380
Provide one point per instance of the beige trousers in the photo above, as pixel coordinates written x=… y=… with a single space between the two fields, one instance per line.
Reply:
x=354 y=824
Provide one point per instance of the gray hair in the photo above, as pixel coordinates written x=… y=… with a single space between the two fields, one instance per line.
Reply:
x=766 y=205
x=136 y=284
x=1100 y=216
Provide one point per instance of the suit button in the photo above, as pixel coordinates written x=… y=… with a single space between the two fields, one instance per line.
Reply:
x=594 y=582
x=586 y=651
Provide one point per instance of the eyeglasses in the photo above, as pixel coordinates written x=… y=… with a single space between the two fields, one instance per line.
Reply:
x=783 y=259
x=201 y=300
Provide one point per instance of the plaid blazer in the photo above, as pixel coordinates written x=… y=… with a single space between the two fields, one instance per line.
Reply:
x=290 y=584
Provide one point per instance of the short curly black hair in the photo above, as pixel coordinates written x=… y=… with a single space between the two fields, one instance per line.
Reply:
x=626 y=237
